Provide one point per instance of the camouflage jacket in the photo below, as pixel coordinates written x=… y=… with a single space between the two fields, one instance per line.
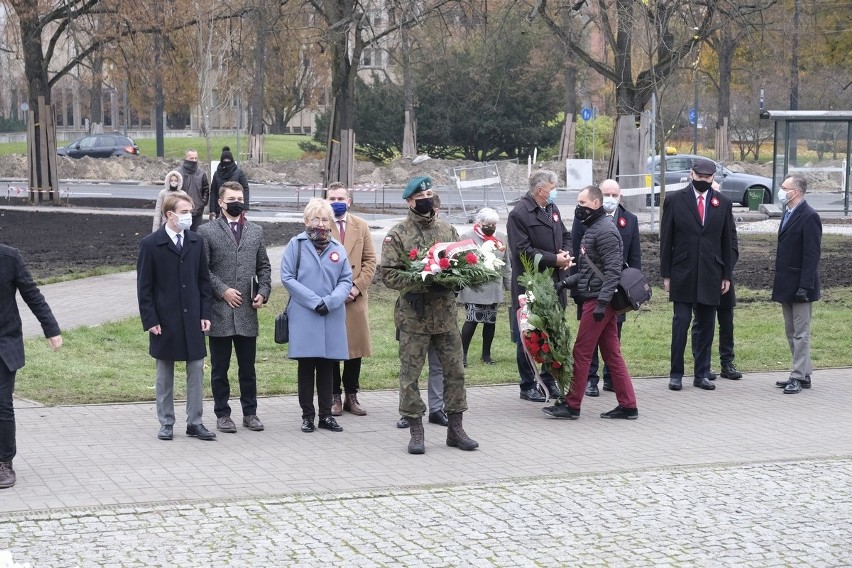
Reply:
x=419 y=308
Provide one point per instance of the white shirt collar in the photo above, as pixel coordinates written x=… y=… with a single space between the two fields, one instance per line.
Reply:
x=173 y=234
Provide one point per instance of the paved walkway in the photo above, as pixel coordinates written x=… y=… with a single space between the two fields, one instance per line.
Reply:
x=742 y=476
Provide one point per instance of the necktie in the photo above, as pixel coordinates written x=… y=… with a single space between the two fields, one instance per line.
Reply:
x=786 y=218
x=340 y=226
x=701 y=208
x=235 y=227
x=179 y=243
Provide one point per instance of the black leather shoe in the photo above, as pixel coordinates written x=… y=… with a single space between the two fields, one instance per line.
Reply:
x=329 y=423
x=166 y=433
x=730 y=372
x=607 y=386
x=561 y=410
x=439 y=418
x=308 y=426
x=533 y=395
x=794 y=386
x=200 y=432
x=704 y=383
x=554 y=392
x=619 y=412
x=592 y=389
x=488 y=360
x=711 y=375
x=806 y=383
x=675 y=384
x=402 y=422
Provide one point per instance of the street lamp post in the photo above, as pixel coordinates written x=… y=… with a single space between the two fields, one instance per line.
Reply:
x=595 y=111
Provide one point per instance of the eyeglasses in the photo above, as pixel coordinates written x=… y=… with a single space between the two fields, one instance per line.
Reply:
x=317 y=221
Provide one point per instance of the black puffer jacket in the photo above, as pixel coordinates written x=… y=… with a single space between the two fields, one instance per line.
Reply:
x=601 y=244
x=227 y=171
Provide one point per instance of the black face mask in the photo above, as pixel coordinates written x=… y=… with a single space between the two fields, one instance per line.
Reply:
x=424 y=206
x=190 y=166
x=701 y=186
x=488 y=230
x=587 y=215
x=234 y=208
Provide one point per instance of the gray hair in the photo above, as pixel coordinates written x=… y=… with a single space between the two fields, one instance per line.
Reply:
x=486 y=214
x=799 y=182
x=541 y=177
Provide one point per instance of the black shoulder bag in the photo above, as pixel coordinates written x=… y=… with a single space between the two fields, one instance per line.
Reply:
x=282 y=322
x=633 y=288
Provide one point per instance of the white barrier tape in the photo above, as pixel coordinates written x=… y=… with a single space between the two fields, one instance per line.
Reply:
x=360 y=187
x=630 y=191
x=24 y=191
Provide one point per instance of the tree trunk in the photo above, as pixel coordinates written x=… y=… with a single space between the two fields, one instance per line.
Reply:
x=96 y=92
x=794 y=82
x=409 y=133
x=727 y=47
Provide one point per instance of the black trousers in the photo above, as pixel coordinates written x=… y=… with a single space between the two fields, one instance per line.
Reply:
x=220 y=362
x=725 y=316
x=315 y=370
x=8 y=449
x=350 y=377
x=703 y=329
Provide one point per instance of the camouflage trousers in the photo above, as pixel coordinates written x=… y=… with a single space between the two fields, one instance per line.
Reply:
x=413 y=348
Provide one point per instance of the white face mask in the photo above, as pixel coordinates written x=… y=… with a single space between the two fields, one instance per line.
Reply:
x=782 y=196
x=184 y=222
x=610 y=203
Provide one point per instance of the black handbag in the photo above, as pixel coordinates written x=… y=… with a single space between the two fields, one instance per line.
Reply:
x=282 y=321
x=633 y=289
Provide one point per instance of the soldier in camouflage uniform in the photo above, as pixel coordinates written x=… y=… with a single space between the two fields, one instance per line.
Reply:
x=425 y=314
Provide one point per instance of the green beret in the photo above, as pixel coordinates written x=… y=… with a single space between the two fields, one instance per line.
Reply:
x=421 y=183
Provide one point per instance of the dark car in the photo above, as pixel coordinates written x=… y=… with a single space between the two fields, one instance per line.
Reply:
x=100 y=146
x=733 y=185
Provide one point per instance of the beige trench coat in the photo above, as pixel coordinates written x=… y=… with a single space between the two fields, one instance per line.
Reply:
x=362 y=259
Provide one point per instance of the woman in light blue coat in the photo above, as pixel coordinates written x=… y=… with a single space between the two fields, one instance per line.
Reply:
x=316 y=273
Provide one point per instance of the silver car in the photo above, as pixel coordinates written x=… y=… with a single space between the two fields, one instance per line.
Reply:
x=733 y=185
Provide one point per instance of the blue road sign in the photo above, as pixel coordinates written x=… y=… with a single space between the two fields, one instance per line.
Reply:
x=692 y=116
x=586 y=114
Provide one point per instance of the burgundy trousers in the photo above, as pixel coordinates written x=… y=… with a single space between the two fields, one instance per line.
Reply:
x=604 y=334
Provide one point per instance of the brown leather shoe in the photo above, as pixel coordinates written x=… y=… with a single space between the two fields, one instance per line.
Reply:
x=7 y=475
x=252 y=422
x=351 y=405
x=336 y=405
x=225 y=424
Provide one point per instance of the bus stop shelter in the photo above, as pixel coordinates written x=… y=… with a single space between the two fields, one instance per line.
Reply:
x=816 y=143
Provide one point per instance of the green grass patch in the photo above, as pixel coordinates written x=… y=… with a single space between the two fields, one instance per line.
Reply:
x=110 y=362
x=87 y=273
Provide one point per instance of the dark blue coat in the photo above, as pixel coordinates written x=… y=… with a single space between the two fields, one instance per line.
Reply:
x=15 y=277
x=695 y=257
x=174 y=292
x=797 y=259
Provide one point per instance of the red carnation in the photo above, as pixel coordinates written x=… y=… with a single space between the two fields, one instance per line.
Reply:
x=471 y=258
x=412 y=254
x=546 y=347
x=444 y=263
x=556 y=364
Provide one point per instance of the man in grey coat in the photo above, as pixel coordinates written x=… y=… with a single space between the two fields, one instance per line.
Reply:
x=241 y=278
x=196 y=185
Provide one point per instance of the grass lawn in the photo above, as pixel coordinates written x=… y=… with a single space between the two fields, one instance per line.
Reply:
x=278 y=146
x=110 y=363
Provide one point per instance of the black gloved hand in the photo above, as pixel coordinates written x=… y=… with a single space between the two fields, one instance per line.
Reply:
x=600 y=311
x=570 y=282
x=321 y=309
x=801 y=296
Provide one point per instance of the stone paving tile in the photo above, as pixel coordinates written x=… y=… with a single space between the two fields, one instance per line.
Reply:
x=707 y=516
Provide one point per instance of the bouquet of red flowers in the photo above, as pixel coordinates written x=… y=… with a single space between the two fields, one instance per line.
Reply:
x=453 y=265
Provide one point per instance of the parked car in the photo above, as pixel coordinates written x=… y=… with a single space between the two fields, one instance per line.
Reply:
x=733 y=185
x=100 y=146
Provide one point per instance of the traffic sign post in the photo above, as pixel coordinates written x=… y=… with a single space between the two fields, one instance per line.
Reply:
x=586 y=113
x=693 y=116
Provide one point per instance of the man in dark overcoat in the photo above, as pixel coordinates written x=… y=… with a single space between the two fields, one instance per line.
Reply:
x=241 y=279
x=173 y=288
x=14 y=278
x=796 y=286
x=696 y=265
x=534 y=227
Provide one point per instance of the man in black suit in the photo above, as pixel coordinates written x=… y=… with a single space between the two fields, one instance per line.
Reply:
x=15 y=277
x=628 y=228
x=796 y=284
x=696 y=264
x=174 y=293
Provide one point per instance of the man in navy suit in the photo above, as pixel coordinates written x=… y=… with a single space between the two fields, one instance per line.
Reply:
x=14 y=278
x=796 y=284
x=696 y=264
x=628 y=227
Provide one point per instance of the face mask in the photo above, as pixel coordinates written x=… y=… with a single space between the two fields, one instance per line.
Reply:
x=184 y=222
x=551 y=197
x=339 y=208
x=190 y=166
x=488 y=230
x=173 y=185
x=782 y=196
x=424 y=206
x=234 y=208
x=701 y=186
x=610 y=204
x=319 y=235
x=582 y=213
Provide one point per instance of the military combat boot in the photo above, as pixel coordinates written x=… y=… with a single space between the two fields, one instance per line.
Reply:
x=456 y=436
x=417 y=445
